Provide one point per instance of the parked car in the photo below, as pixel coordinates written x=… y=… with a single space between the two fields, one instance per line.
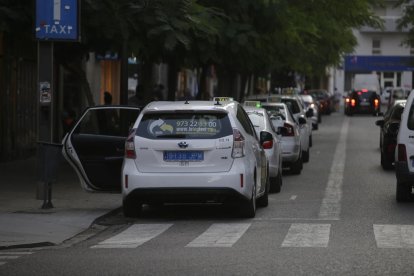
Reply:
x=310 y=103
x=388 y=134
x=281 y=116
x=404 y=153
x=294 y=103
x=194 y=151
x=270 y=138
x=326 y=104
x=362 y=101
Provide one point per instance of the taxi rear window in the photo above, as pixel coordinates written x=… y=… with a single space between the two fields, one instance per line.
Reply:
x=184 y=126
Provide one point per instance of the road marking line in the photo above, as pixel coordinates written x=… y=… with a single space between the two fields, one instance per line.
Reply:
x=2 y=263
x=134 y=236
x=307 y=235
x=16 y=253
x=220 y=235
x=293 y=197
x=331 y=203
x=291 y=219
x=9 y=257
x=394 y=236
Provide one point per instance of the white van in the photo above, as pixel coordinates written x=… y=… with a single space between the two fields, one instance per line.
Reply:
x=404 y=153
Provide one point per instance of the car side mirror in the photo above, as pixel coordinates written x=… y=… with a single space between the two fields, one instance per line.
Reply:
x=302 y=121
x=309 y=113
x=380 y=123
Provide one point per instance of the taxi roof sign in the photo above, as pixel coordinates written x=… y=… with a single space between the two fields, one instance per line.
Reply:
x=223 y=99
x=253 y=103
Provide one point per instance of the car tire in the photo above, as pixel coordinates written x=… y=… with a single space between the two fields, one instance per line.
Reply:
x=263 y=201
x=385 y=163
x=276 y=183
x=315 y=127
x=297 y=166
x=403 y=191
x=131 y=209
x=248 y=209
x=310 y=141
x=305 y=156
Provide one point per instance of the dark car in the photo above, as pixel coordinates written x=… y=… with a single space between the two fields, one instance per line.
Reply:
x=388 y=135
x=326 y=104
x=362 y=101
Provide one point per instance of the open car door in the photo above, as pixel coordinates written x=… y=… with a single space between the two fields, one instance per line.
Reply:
x=95 y=146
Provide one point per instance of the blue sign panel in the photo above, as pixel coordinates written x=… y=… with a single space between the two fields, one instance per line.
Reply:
x=379 y=63
x=57 y=19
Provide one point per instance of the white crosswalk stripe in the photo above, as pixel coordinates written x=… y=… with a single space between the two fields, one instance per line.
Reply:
x=220 y=235
x=307 y=235
x=394 y=236
x=7 y=256
x=134 y=236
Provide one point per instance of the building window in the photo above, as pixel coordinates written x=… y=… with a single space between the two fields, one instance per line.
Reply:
x=376 y=46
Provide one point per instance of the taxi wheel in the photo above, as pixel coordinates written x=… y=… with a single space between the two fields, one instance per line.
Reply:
x=386 y=164
x=131 y=209
x=276 y=183
x=403 y=191
x=297 y=166
x=248 y=210
x=305 y=156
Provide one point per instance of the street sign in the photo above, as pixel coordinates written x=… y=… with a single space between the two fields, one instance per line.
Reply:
x=57 y=20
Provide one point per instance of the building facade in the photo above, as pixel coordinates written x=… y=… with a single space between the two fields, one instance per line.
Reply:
x=379 y=51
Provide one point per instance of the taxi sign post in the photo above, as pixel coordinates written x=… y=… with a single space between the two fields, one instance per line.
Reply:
x=56 y=20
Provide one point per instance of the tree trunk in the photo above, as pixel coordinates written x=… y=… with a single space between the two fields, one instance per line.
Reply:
x=172 y=80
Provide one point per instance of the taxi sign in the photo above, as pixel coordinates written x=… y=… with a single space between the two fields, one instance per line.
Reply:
x=223 y=99
x=253 y=103
x=274 y=99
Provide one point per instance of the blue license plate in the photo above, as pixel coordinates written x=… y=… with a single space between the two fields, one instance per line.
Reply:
x=179 y=156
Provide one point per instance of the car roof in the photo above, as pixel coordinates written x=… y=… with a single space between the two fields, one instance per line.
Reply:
x=189 y=105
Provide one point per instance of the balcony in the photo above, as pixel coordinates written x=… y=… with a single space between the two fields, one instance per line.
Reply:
x=390 y=26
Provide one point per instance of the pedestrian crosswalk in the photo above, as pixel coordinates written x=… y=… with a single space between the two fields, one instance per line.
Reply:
x=11 y=255
x=226 y=235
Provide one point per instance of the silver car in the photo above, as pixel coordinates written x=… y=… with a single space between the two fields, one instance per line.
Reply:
x=281 y=116
x=310 y=103
x=270 y=139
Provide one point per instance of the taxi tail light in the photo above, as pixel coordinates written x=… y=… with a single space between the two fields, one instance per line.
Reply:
x=130 y=146
x=402 y=153
x=290 y=131
x=353 y=102
x=267 y=144
x=376 y=103
x=238 y=144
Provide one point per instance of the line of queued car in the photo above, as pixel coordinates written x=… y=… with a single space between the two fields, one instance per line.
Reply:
x=191 y=151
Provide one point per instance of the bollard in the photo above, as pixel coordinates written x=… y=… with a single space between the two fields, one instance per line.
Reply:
x=50 y=156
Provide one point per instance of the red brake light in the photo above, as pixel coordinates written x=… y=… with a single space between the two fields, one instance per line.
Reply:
x=267 y=144
x=402 y=153
x=359 y=93
x=364 y=90
x=130 y=146
x=353 y=102
x=238 y=144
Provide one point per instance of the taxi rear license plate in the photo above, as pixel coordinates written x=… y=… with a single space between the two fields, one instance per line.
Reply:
x=179 y=156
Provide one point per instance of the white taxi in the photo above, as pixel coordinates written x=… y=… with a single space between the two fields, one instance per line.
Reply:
x=194 y=151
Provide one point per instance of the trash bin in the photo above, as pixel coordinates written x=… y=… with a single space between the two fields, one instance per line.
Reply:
x=49 y=157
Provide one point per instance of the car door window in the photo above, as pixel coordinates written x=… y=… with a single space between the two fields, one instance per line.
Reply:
x=410 y=121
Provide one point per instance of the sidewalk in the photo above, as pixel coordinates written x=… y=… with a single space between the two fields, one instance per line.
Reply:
x=22 y=221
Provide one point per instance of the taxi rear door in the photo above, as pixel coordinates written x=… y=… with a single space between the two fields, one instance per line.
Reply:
x=95 y=146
